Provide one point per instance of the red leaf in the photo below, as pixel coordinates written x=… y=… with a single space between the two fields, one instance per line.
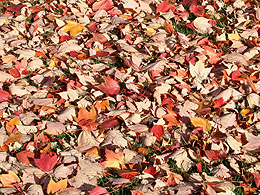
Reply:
x=157 y=131
x=14 y=9
x=65 y=38
x=128 y=175
x=256 y=179
x=197 y=10
x=135 y=192
x=191 y=2
x=214 y=154
x=199 y=167
x=46 y=162
x=98 y=191
x=151 y=170
x=14 y=72
x=219 y=102
x=109 y=123
x=103 y=5
x=109 y=87
x=165 y=7
x=24 y=156
x=235 y=75
x=4 y=96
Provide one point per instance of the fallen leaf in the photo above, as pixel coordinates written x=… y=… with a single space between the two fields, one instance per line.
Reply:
x=56 y=186
x=41 y=162
x=165 y=7
x=103 y=5
x=98 y=191
x=114 y=160
x=109 y=87
x=234 y=36
x=4 y=96
x=201 y=122
x=157 y=131
x=10 y=179
x=10 y=125
x=25 y=156
x=73 y=27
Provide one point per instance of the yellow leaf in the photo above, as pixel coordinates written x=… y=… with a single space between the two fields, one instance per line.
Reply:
x=73 y=27
x=150 y=32
x=234 y=36
x=201 y=122
x=8 y=180
x=55 y=187
x=52 y=64
x=244 y=112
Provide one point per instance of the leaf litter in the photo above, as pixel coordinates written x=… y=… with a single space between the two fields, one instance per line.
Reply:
x=129 y=97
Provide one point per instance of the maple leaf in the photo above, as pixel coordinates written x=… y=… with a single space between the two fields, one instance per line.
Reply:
x=114 y=160
x=86 y=119
x=10 y=125
x=24 y=156
x=201 y=122
x=109 y=87
x=10 y=179
x=41 y=163
x=73 y=27
x=56 y=186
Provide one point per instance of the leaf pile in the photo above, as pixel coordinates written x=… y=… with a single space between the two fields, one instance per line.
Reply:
x=129 y=97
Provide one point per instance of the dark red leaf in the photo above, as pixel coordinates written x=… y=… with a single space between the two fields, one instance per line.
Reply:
x=152 y=171
x=109 y=123
x=46 y=161
x=215 y=154
x=14 y=9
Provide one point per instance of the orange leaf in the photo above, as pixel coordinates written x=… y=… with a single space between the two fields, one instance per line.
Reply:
x=24 y=156
x=8 y=180
x=114 y=160
x=73 y=27
x=83 y=114
x=11 y=124
x=13 y=138
x=102 y=105
x=55 y=187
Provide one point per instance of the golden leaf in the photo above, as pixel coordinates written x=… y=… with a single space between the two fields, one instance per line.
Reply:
x=73 y=27
x=201 y=122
